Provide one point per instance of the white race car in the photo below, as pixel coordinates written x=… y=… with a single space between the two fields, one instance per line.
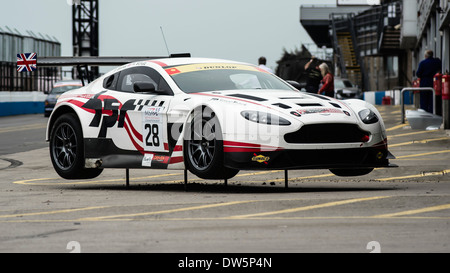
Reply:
x=213 y=118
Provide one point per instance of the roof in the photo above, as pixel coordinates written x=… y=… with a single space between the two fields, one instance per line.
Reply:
x=184 y=61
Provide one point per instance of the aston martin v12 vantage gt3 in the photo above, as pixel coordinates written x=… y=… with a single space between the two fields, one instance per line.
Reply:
x=213 y=118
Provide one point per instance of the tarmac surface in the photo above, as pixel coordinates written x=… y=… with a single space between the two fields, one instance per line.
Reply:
x=404 y=209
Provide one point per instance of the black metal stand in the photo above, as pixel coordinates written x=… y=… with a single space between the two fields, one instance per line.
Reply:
x=127 y=178
x=185 y=179
x=286 y=179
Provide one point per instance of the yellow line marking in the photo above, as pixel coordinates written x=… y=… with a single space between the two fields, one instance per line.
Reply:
x=257 y=173
x=413 y=133
x=416 y=211
x=246 y=219
x=300 y=178
x=33 y=181
x=418 y=142
x=424 y=154
x=396 y=127
x=50 y=212
x=444 y=172
x=27 y=182
x=166 y=211
x=324 y=205
x=22 y=128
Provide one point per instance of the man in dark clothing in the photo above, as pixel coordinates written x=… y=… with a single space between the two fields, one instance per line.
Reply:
x=426 y=71
x=313 y=76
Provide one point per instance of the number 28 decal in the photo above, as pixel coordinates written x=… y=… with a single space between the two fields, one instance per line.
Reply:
x=152 y=139
x=153 y=122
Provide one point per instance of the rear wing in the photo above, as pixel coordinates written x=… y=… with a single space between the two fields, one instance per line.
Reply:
x=95 y=61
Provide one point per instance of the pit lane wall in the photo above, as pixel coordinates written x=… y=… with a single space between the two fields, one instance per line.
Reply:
x=21 y=103
x=388 y=97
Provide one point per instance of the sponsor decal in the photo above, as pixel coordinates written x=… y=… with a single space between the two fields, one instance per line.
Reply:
x=320 y=111
x=147 y=160
x=209 y=66
x=261 y=159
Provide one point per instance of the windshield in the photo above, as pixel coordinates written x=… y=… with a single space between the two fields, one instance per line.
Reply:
x=63 y=88
x=216 y=77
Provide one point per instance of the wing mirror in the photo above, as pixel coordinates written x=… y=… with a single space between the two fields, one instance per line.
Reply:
x=144 y=87
x=149 y=87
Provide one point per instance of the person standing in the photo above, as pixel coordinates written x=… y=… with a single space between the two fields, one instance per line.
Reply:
x=313 y=76
x=426 y=71
x=262 y=64
x=327 y=88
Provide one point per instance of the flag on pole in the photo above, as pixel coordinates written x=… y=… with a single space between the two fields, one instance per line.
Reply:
x=26 y=62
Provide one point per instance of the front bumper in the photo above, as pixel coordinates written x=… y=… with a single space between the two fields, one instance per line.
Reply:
x=350 y=158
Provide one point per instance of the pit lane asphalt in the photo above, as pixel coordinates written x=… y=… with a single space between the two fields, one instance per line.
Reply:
x=406 y=209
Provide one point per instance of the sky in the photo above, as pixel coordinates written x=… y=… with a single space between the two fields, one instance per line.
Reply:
x=240 y=30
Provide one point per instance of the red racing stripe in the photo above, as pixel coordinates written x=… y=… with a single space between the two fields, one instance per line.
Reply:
x=242 y=147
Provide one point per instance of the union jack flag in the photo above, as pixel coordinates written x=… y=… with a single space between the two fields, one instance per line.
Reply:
x=26 y=62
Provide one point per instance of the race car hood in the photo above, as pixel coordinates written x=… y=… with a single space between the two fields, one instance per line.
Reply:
x=305 y=107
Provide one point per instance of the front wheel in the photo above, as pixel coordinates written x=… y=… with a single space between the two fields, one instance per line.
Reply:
x=67 y=151
x=203 y=148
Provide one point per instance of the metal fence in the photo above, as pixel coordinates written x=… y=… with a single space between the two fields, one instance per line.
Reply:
x=40 y=80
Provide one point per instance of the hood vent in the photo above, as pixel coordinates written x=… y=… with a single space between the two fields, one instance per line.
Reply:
x=335 y=105
x=309 y=104
x=291 y=98
x=319 y=96
x=248 y=97
x=281 y=105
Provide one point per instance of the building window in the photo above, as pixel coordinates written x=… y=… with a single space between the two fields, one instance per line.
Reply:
x=392 y=10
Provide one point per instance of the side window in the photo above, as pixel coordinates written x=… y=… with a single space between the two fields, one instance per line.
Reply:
x=111 y=82
x=128 y=77
x=129 y=80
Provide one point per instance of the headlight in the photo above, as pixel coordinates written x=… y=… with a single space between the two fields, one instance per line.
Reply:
x=368 y=116
x=265 y=118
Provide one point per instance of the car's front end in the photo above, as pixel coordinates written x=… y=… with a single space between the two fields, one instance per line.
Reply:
x=268 y=125
x=292 y=130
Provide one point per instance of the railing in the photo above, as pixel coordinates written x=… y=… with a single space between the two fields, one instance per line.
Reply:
x=419 y=89
x=340 y=23
x=40 y=80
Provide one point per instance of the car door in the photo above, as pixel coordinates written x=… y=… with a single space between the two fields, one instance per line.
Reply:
x=141 y=116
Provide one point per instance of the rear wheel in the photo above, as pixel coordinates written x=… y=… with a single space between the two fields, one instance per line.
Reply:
x=67 y=149
x=351 y=172
x=203 y=148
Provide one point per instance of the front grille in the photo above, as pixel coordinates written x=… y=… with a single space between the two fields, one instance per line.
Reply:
x=328 y=133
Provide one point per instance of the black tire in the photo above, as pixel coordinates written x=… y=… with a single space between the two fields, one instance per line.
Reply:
x=351 y=172
x=203 y=148
x=67 y=149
